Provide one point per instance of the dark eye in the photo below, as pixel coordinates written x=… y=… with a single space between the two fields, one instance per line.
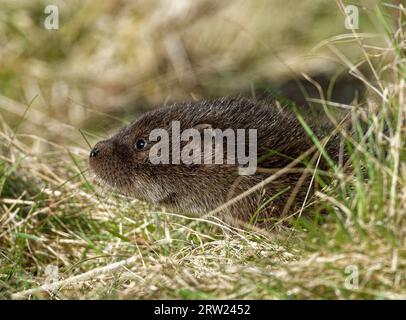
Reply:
x=140 y=144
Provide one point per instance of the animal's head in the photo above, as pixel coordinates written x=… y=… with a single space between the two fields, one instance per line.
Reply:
x=161 y=156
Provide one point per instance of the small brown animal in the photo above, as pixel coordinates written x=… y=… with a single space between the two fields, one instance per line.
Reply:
x=123 y=160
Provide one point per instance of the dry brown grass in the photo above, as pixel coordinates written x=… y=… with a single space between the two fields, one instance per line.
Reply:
x=52 y=218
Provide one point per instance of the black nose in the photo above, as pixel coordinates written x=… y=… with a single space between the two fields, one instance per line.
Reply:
x=94 y=152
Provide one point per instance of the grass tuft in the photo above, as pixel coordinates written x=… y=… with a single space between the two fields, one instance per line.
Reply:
x=61 y=237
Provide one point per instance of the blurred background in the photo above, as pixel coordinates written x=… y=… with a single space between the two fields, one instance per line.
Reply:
x=62 y=90
x=109 y=61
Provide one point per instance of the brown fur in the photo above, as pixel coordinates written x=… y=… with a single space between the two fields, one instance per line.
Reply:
x=197 y=189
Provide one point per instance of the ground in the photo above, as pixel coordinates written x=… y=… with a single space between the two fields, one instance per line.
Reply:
x=61 y=236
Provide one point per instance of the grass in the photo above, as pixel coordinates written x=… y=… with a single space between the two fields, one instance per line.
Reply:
x=58 y=229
